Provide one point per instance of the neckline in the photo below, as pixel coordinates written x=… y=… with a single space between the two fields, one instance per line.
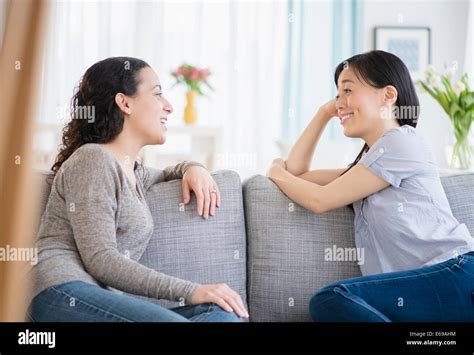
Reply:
x=387 y=131
x=138 y=189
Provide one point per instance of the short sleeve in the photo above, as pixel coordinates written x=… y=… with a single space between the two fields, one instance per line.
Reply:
x=398 y=154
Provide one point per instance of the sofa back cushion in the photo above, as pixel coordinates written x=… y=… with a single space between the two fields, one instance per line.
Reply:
x=460 y=193
x=293 y=252
x=187 y=246
x=286 y=251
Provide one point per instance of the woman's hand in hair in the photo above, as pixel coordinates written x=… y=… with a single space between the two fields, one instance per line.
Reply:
x=207 y=193
x=329 y=109
x=222 y=295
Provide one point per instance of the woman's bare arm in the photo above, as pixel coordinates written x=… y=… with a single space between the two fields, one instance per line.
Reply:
x=321 y=176
x=301 y=154
x=357 y=183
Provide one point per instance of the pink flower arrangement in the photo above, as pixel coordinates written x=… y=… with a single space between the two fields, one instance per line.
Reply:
x=193 y=77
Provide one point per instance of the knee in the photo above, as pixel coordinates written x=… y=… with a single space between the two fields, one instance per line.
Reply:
x=321 y=301
x=323 y=293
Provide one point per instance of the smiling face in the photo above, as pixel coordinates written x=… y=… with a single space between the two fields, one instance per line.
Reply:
x=148 y=109
x=359 y=105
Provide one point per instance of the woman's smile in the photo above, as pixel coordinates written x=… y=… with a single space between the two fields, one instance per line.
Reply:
x=164 y=121
x=346 y=116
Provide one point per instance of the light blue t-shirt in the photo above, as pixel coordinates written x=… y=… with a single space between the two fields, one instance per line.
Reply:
x=409 y=224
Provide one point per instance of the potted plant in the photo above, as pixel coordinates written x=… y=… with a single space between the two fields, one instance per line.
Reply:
x=457 y=100
x=194 y=78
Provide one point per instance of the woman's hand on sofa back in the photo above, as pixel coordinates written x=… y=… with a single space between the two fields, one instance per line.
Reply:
x=208 y=196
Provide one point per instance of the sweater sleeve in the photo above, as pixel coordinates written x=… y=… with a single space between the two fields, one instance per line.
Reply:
x=92 y=191
x=151 y=176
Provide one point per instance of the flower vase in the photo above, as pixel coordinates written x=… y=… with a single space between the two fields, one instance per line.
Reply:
x=462 y=155
x=190 y=113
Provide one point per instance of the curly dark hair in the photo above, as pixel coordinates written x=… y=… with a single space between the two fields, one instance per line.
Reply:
x=96 y=91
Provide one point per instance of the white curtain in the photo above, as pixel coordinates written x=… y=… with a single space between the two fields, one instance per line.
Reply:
x=243 y=44
x=309 y=83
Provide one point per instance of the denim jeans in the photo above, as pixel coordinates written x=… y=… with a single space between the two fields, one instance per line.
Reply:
x=442 y=292
x=77 y=301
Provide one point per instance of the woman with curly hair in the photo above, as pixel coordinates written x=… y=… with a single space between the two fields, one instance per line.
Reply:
x=97 y=223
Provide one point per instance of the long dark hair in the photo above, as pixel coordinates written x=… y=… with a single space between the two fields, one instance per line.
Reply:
x=380 y=69
x=95 y=97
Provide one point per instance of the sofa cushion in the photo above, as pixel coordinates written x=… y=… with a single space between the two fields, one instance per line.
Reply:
x=40 y=182
x=286 y=252
x=187 y=246
x=460 y=193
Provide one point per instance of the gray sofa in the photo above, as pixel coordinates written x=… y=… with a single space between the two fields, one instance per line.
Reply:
x=261 y=244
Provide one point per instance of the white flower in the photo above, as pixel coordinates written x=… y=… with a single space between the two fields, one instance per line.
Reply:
x=450 y=72
x=459 y=87
x=434 y=80
x=430 y=71
x=420 y=87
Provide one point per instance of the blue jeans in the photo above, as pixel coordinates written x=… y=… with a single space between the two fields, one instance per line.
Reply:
x=78 y=301
x=442 y=292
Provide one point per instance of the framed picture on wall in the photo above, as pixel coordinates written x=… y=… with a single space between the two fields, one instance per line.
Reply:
x=410 y=44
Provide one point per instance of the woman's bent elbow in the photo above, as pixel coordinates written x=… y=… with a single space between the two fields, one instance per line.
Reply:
x=318 y=207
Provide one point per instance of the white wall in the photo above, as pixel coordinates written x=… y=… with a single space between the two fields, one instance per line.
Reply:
x=448 y=20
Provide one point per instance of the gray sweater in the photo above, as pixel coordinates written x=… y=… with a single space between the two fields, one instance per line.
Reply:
x=96 y=226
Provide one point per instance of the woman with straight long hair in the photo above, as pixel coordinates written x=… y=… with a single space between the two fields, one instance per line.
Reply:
x=418 y=259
